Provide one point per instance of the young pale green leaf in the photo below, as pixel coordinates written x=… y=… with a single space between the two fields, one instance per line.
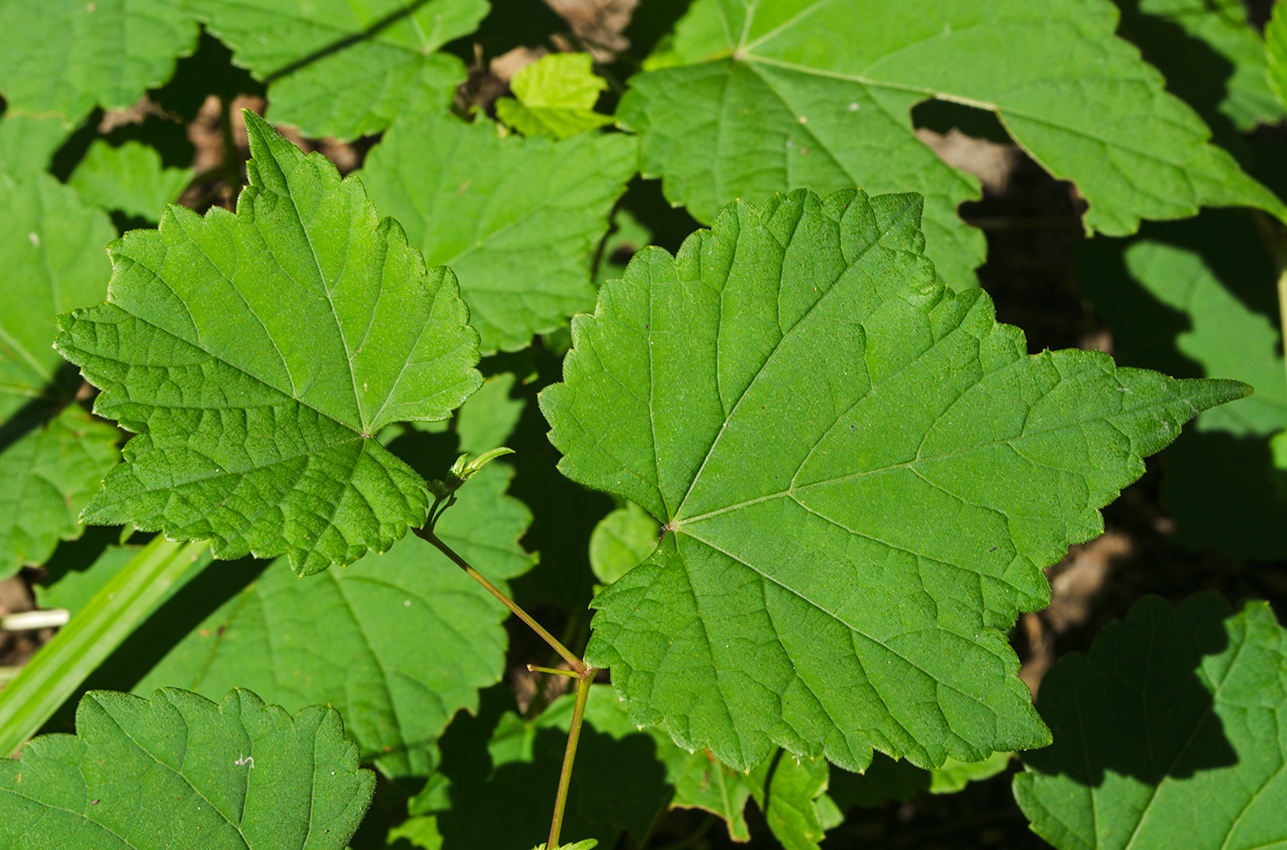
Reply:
x=342 y=69
x=66 y=56
x=129 y=178
x=180 y=771
x=1168 y=734
x=780 y=94
x=51 y=259
x=1211 y=55
x=859 y=474
x=516 y=219
x=1197 y=298
x=397 y=642
x=556 y=96
x=256 y=355
x=621 y=540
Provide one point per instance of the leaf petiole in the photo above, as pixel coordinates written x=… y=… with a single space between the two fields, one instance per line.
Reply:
x=577 y=664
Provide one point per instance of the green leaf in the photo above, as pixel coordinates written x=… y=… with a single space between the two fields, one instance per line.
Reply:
x=1197 y=298
x=860 y=476
x=1168 y=734
x=792 y=795
x=67 y=56
x=955 y=775
x=179 y=770
x=621 y=540
x=556 y=97
x=397 y=642
x=27 y=144
x=421 y=832
x=53 y=465
x=516 y=219
x=341 y=69
x=1211 y=55
x=489 y=416
x=1276 y=53
x=781 y=94
x=129 y=178
x=255 y=360
x=51 y=259
x=617 y=781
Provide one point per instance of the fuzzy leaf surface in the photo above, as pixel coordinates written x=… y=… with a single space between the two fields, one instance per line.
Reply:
x=554 y=97
x=67 y=56
x=780 y=94
x=178 y=770
x=54 y=456
x=256 y=355
x=516 y=219
x=1169 y=733
x=396 y=642
x=342 y=69
x=861 y=475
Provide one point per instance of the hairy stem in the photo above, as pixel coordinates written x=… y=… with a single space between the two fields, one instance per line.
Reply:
x=576 y=663
x=569 y=755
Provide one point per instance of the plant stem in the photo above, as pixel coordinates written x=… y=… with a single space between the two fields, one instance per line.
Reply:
x=576 y=663
x=532 y=668
x=58 y=669
x=569 y=755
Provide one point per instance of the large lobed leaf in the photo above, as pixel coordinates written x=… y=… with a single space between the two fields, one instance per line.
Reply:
x=256 y=355
x=1169 y=733
x=860 y=476
x=180 y=771
x=778 y=94
x=516 y=219
x=342 y=69
x=63 y=57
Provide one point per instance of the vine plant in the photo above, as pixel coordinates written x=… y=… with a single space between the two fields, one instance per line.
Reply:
x=835 y=479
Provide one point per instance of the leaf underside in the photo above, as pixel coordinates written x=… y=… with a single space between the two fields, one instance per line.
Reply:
x=257 y=354
x=861 y=476
x=775 y=95
x=1168 y=734
x=180 y=771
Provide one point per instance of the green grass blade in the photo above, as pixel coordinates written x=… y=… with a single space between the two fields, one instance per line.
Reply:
x=59 y=668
